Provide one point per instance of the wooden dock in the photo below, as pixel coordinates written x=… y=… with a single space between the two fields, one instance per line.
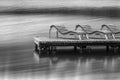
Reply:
x=44 y=44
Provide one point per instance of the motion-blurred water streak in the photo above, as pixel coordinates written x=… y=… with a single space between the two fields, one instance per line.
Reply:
x=17 y=59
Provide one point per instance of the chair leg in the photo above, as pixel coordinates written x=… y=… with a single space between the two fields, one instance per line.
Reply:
x=57 y=34
x=106 y=37
x=87 y=36
x=50 y=32
x=80 y=37
x=113 y=36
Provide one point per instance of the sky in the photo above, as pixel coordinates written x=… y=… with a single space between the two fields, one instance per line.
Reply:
x=8 y=4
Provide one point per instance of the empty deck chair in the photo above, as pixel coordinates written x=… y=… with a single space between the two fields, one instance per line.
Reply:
x=63 y=31
x=98 y=34
x=113 y=29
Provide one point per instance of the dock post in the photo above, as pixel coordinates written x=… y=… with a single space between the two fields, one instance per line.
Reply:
x=36 y=48
x=82 y=48
x=118 y=49
x=40 y=50
x=52 y=50
x=114 y=48
x=75 y=48
x=107 y=48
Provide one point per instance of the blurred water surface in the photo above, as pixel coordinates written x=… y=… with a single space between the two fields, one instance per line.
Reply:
x=18 y=61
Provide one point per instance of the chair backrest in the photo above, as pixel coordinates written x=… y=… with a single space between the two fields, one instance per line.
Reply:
x=61 y=28
x=112 y=28
x=87 y=28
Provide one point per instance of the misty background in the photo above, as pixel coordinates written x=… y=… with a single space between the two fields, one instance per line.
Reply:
x=16 y=4
x=106 y=8
x=21 y=20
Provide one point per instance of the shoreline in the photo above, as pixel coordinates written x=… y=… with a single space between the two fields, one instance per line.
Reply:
x=110 y=12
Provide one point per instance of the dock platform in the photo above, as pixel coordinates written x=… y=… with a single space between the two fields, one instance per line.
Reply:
x=44 y=44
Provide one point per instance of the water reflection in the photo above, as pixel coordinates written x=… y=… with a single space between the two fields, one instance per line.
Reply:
x=82 y=65
x=16 y=50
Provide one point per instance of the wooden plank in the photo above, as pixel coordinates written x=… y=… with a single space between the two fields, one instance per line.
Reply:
x=45 y=39
x=58 y=41
x=44 y=42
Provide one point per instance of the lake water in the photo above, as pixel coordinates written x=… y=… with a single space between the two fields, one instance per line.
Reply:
x=18 y=60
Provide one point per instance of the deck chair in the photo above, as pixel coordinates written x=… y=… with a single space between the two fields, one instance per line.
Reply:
x=98 y=34
x=113 y=29
x=63 y=31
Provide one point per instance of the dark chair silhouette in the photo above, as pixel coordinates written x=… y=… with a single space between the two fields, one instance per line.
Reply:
x=113 y=29
x=62 y=30
x=90 y=31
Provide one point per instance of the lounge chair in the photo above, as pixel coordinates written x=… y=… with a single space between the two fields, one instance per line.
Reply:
x=63 y=31
x=98 y=34
x=113 y=29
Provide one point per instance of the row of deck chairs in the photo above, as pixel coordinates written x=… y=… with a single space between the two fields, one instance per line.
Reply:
x=83 y=32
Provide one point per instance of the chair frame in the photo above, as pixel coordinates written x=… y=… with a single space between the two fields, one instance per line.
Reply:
x=92 y=32
x=109 y=28
x=64 y=31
